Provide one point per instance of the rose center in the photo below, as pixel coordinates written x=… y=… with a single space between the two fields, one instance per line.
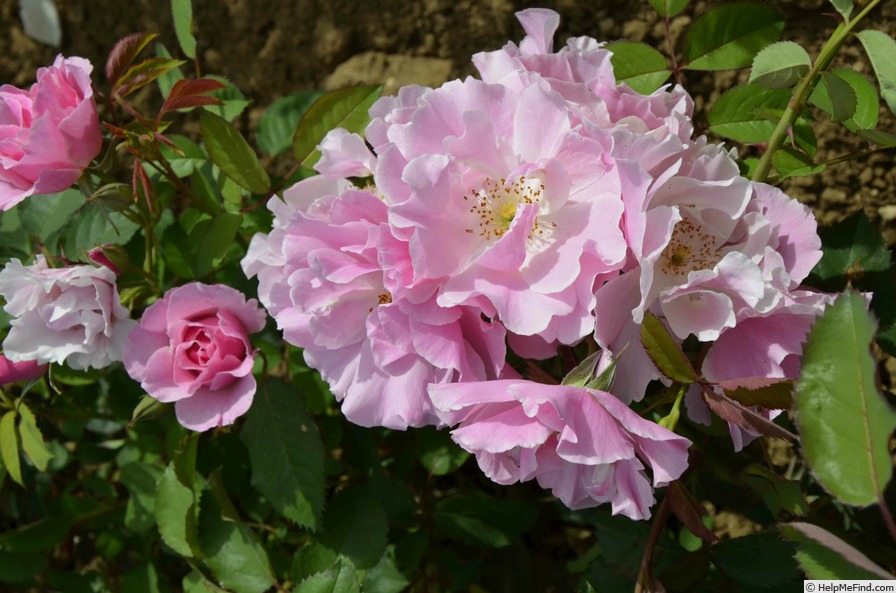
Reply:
x=494 y=206
x=691 y=248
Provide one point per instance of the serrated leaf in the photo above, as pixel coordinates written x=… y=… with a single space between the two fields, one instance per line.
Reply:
x=844 y=7
x=438 y=453
x=343 y=108
x=92 y=225
x=638 y=65
x=385 y=577
x=730 y=36
x=780 y=65
x=689 y=511
x=865 y=111
x=881 y=48
x=355 y=526
x=233 y=102
x=9 y=447
x=804 y=137
x=32 y=440
x=879 y=138
x=736 y=114
x=124 y=52
x=44 y=534
x=190 y=157
x=233 y=552
x=177 y=501
x=774 y=394
x=665 y=352
x=852 y=250
x=824 y=556
x=841 y=96
x=140 y=479
x=481 y=520
x=340 y=578
x=230 y=151
x=148 y=407
x=844 y=422
x=279 y=122
x=731 y=411
x=44 y=216
x=182 y=13
x=186 y=93
x=286 y=453
x=668 y=8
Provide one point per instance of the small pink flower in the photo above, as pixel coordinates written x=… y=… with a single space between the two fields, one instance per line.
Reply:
x=70 y=314
x=49 y=134
x=585 y=445
x=192 y=348
x=11 y=372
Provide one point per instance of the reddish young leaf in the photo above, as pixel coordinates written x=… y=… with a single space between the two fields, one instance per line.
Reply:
x=774 y=394
x=728 y=409
x=141 y=74
x=187 y=102
x=689 y=511
x=123 y=54
x=198 y=86
x=141 y=180
x=167 y=142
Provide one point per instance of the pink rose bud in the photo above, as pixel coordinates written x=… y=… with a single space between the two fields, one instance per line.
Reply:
x=48 y=134
x=98 y=256
x=12 y=372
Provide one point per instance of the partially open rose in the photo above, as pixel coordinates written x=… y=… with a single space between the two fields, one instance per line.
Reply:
x=48 y=134
x=192 y=348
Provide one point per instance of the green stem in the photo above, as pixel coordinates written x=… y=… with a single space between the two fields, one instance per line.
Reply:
x=804 y=89
x=671 y=420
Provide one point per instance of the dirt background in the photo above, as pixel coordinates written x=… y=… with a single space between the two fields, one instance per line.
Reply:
x=276 y=47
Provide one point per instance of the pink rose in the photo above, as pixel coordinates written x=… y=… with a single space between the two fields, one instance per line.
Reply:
x=192 y=348
x=49 y=134
x=70 y=314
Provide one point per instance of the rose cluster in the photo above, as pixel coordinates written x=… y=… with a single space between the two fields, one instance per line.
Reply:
x=530 y=209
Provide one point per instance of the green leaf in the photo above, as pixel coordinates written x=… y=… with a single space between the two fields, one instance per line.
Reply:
x=861 y=92
x=844 y=422
x=638 y=65
x=44 y=534
x=45 y=215
x=9 y=446
x=140 y=75
x=665 y=352
x=148 y=407
x=140 y=479
x=178 y=498
x=355 y=526
x=584 y=371
x=32 y=440
x=341 y=578
x=230 y=151
x=780 y=65
x=844 y=7
x=478 y=519
x=286 y=453
x=343 y=108
x=192 y=156
x=736 y=114
x=739 y=558
x=233 y=101
x=777 y=492
x=280 y=120
x=881 y=48
x=879 y=138
x=212 y=239
x=167 y=80
x=233 y=552
x=841 y=96
x=21 y=566
x=730 y=36
x=851 y=249
x=182 y=11
x=385 y=577
x=141 y=579
x=92 y=225
x=438 y=453
x=795 y=163
x=668 y=8
x=824 y=556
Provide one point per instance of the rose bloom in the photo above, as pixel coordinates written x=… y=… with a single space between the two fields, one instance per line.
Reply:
x=192 y=348
x=585 y=445
x=70 y=314
x=48 y=134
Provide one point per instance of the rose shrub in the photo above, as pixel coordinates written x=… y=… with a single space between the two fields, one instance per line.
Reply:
x=48 y=134
x=192 y=348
